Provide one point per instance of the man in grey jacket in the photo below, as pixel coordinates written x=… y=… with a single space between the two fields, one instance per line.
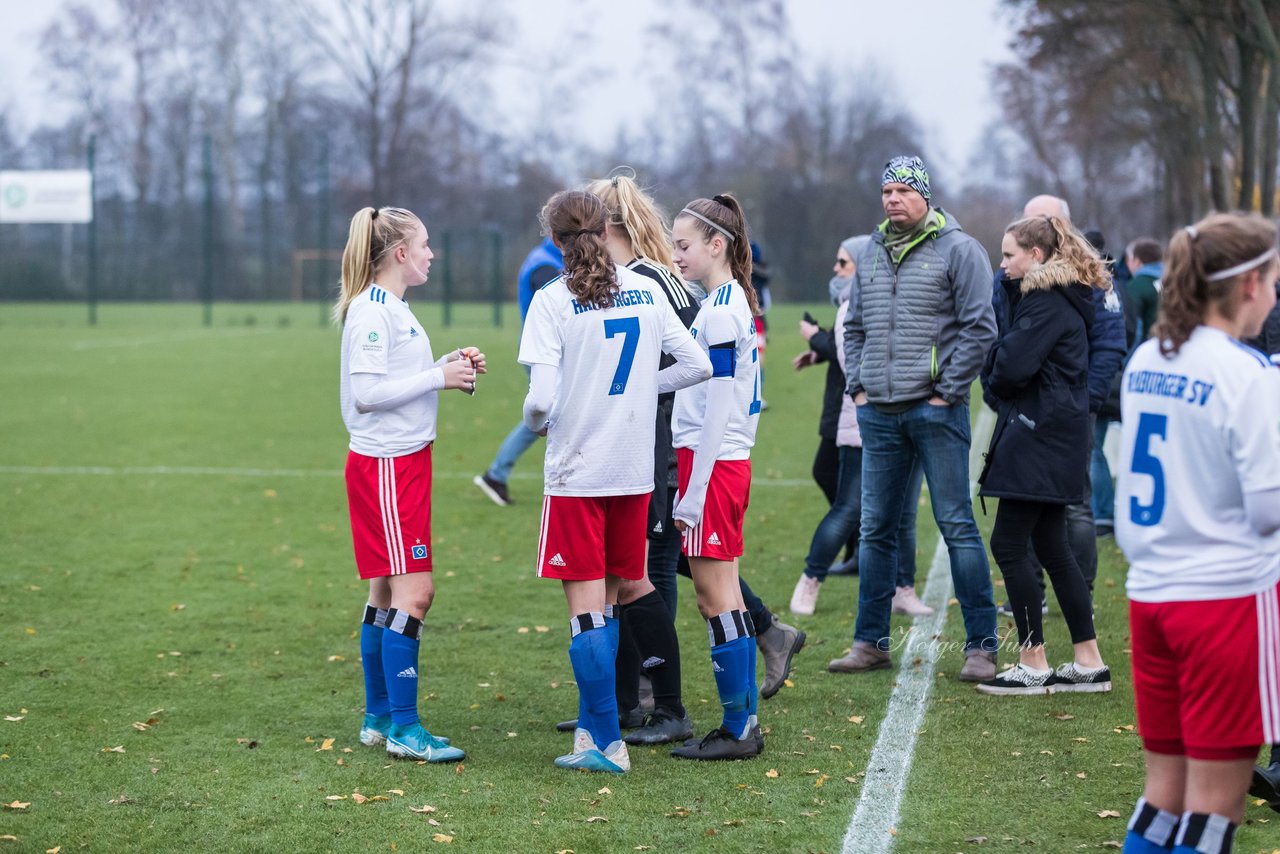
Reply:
x=914 y=342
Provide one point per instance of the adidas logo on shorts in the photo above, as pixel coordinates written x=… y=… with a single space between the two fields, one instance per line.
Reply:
x=657 y=529
x=714 y=539
x=557 y=560
x=408 y=673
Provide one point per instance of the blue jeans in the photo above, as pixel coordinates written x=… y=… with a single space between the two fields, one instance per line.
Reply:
x=1104 y=489
x=519 y=440
x=937 y=436
x=846 y=513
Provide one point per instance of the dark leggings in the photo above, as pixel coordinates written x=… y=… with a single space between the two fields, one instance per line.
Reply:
x=826 y=473
x=1046 y=526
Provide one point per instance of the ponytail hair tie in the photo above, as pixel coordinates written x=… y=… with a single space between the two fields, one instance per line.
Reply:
x=1191 y=232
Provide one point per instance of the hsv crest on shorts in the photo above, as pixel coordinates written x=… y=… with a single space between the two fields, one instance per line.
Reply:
x=419 y=552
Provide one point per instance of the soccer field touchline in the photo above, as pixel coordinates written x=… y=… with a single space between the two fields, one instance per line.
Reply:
x=204 y=471
x=889 y=767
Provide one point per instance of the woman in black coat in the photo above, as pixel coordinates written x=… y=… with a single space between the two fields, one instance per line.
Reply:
x=1038 y=375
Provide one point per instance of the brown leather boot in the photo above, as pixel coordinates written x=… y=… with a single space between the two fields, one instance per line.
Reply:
x=863 y=657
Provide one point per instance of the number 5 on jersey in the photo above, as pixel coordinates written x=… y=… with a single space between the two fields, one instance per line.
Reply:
x=1145 y=462
x=629 y=328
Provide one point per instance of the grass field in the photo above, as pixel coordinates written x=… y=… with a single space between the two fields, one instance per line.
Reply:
x=179 y=667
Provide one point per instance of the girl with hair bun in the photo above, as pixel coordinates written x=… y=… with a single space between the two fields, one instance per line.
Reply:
x=592 y=341
x=1197 y=509
x=389 y=386
x=1038 y=373
x=713 y=430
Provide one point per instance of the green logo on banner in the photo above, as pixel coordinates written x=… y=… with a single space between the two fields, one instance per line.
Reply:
x=373 y=336
x=15 y=195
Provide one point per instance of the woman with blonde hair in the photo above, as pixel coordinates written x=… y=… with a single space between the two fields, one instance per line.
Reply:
x=1038 y=373
x=389 y=390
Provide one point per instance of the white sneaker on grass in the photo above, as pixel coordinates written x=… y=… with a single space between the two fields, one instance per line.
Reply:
x=1071 y=677
x=1018 y=680
x=804 y=600
x=614 y=759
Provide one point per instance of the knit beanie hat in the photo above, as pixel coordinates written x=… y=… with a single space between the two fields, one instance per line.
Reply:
x=905 y=169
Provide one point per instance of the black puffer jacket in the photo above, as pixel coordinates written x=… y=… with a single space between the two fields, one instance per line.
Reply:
x=1038 y=373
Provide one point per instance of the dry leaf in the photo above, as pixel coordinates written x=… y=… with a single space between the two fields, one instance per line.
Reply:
x=335 y=797
x=399 y=792
x=772 y=773
x=30 y=631
x=14 y=718
x=1108 y=814
x=893 y=831
x=976 y=840
x=523 y=630
x=596 y=818
x=327 y=744
x=119 y=748
x=120 y=801
x=542 y=629
x=1046 y=753
x=433 y=822
x=1111 y=843
x=822 y=778
x=459 y=768
x=788 y=683
x=17 y=805
x=604 y=791
x=1082 y=775
x=637 y=848
x=1062 y=716
x=442 y=837
x=856 y=719
x=8 y=837
x=425 y=808
x=359 y=798
x=336 y=658
x=54 y=850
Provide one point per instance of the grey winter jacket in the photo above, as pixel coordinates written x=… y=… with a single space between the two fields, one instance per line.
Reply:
x=923 y=328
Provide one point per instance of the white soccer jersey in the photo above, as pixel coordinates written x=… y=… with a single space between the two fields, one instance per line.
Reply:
x=726 y=329
x=1199 y=430
x=600 y=439
x=381 y=336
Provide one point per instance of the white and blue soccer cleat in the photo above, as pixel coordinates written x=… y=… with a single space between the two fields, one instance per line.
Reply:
x=373 y=731
x=614 y=759
x=414 y=742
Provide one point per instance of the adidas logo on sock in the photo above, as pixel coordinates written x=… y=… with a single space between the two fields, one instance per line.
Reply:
x=716 y=668
x=714 y=539
x=557 y=560
x=652 y=661
x=408 y=673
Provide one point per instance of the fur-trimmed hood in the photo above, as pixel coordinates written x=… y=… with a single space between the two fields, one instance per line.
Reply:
x=1053 y=272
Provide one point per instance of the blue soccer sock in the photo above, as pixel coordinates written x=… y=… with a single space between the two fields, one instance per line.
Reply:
x=591 y=652
x=1203 y=833
x=375 y=682
x=613 y=627
x=753 y=689
x=400 y=644
x=731 y=650
x=1151 y=830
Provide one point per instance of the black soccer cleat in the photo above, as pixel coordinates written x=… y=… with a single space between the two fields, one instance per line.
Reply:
x=719 y=744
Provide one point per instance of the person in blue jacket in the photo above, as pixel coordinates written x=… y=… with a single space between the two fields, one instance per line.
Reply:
x=1107 y=347
x=544 y=263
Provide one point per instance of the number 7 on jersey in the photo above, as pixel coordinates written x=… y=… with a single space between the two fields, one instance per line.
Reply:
x=629 y=328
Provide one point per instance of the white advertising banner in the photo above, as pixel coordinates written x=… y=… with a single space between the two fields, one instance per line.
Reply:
x=46 y=196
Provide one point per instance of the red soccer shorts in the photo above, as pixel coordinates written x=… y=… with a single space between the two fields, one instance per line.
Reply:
x=1206 y=675
x=390 y=503
x=760 y=334
x=583 y=538
x=719 y=535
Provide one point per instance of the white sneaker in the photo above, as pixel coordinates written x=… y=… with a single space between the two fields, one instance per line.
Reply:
x=805 y=597
x=906 y=602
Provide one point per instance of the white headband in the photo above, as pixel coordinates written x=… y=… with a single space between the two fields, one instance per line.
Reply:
x=1222 y=275
x=718 y=228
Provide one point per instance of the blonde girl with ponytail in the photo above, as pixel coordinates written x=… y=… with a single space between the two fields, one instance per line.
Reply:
x=1038 y=373
x=389 y=385
x=713 y=430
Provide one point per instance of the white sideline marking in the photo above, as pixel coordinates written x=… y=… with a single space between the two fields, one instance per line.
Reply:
x=883 y=785
x=194 y=334
x=200 y=471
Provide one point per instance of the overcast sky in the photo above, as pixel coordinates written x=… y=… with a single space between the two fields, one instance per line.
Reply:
x=936 y=53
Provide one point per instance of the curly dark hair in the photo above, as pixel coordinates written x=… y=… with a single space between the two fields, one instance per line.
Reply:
x=575 y=220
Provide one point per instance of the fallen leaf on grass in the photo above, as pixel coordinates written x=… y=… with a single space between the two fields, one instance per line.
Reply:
x=359 y=798
x=679 y=812
x=336 y=658
x=8 y=837
x=1124 y=728
x=30 y=630
x=120 y=801
x=327 y=744
x=711 y=831
x=637 y=848
x=542 y=629
x=335 y=797
x=1108 y=814
x=17 y=805
x=14 y=718
x=605 y=791
x=119 y=748
x=772 y=773
x=399 y=792
x=733 y=822
x=856 y=719
x=442 y=837
x=596 y=818
x=53 y=850
x=976 y=840
x=1062 y=716
x=1111 y=843
x=523 y=630
x=818 y=783
x=893 y=831
x=1082 y=775
x=1046 y=753
x=788 y=683
x=433 y=822
x=424 y=808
